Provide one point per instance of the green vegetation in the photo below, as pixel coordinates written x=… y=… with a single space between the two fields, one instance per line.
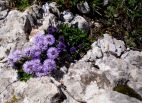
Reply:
x=126 y=16
x=75 y=38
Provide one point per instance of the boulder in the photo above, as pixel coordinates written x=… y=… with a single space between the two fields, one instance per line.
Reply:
x=13 y=32
x=36 y=90
x=34 y=13
x=49 y=20
x=66 y=16
x=110 y=44
x=80 y=23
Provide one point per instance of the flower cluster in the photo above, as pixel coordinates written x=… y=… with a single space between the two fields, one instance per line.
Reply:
x=50 y=51
x=43 y=44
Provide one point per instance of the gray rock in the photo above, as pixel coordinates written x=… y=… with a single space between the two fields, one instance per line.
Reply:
x=3 y=9
x=109 y=44
x=80 y=22
x=101 y=70
x=3 y=14
x=3 y=4
x=13 y=33
x=83 y=7
x=50 y=19
x=67 y=16
x=46 y=8
x=54 y=8
x=134 y=58
x=80 y=76
x=93 y=54
x=112 y=97
x=51 y=8
x=88 y=84
x=37 y=90
x=114 y=68
x=34 y=14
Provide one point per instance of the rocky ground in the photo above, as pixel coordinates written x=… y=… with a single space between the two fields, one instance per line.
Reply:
x=109 y=72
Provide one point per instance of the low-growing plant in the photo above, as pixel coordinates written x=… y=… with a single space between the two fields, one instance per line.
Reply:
x=49 y=52
x=77 y=43
x=126 y=16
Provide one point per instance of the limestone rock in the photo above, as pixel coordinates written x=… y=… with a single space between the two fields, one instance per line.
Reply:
x=109 y=44
x=13 y=32
x=80 y=22
x=49 y=20
x=3 y=14
x=66 y=16
x=83 y=7
x=54 y=9
x=37 y=90
x=46 y=8
x=34 y=14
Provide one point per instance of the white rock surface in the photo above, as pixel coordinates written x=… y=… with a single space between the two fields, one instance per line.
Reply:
x=37 y=90
x=49 y=20
x=67 y=16
x=102 y=69
x=80 y=22
x=13 y=32
x=109 y=44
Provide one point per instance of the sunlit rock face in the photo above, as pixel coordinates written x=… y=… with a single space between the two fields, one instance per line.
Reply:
x=95 y=78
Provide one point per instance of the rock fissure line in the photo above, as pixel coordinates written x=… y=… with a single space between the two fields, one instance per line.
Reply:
x=8 y=86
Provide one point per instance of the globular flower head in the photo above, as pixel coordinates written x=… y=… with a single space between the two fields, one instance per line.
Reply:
x=27 y=52
x=14 y=57
x=52 y=53
x=49 y=39
x=38 y=38
x=32 y=66
x=49 y=65
x=33 y=52
x=72 y=50
x=52 y=29
x=61 y=46
x=39 y=41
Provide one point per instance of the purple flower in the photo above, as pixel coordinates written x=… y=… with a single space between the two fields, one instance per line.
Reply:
x=39 y=41
x=38 y=38
x=49 y=39
x=14 y=57
x=36 y=51
x=40 y=74
x=32 y=66
x=52 y=53
x=33 y=52
x=61 y=46
x=49 y=65
x=51 y=29
x=73 y=50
